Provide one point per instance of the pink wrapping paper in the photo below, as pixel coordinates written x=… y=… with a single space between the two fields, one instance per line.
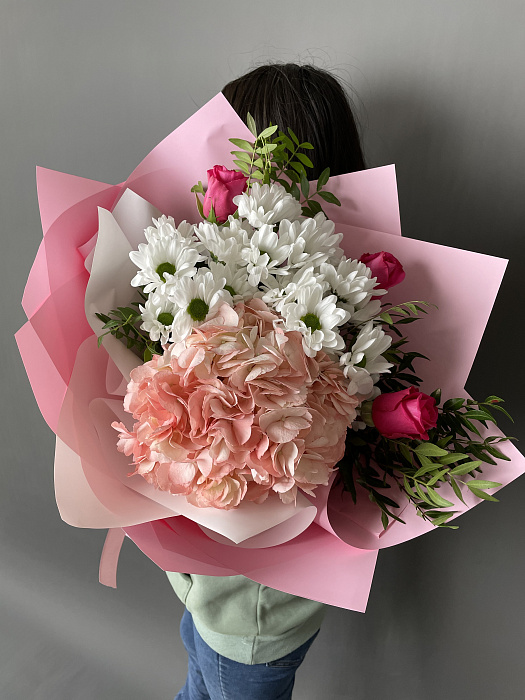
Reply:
x=79 y=388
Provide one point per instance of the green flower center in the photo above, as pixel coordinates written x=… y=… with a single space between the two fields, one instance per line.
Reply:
x=198 y=309
x=216 y=259
x=312 y=322
x=264 y=252
x=230 y=289
x=163 y=268
x=165 y=318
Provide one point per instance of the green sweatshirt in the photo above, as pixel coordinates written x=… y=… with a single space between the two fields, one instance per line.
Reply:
x=244 y=620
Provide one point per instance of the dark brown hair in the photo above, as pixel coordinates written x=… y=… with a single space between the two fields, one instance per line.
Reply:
x=311 y=102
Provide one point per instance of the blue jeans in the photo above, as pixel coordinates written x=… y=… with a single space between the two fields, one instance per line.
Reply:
x=214 y=677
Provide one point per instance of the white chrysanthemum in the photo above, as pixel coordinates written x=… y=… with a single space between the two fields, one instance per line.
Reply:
x=239 y=228
x=366 y=310
x=236 y=280
x=277 y=296
x=198 y=299
x=313 y=241
x=267 y=204
x=158 y=314
x=265 y=254
x=365 y=362
x=224 y=243
x=163 y=262
x=165 y=227
x=317 y=318
x=352 y=283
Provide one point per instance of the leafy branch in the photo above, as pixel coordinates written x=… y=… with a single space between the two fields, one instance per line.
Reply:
x=454 y=454
x=123 y=322
x=278 y=157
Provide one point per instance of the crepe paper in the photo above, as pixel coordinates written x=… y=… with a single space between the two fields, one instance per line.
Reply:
x=82 y=267
x=368 y=200
x=48 y=386
x=107 y=574
x=314 y=565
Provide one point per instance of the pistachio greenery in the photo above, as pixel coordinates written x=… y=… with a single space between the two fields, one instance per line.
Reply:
x=274 y=156
x=454 y=453
x=124 y=323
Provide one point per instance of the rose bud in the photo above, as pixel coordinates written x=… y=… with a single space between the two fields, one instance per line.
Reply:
x=408 y=413
x=223 y=186
x=385 y=267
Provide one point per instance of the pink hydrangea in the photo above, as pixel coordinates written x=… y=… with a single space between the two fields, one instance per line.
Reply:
x=236 y=411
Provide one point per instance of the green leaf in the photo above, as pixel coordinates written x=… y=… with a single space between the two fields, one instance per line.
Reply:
x=482 y=494
x=242 y=166
x=384 y=519
x=269 y=131
x=408 y=488
x=437 y=476
x=250 y=123
x=198 y=188
x=465 y=468
x=257 y=175
x=436 y=395
x=452 y=457
x=405 y=452
x=438 y=500
x=294 y=137
x=288 y=143
x=242 y=155
x=294 y=191
x=427 y=449
x=442 y=518
x=453 y=404
x=306 y=145
x=502 y=410
x=305 y=186
x=242 y=143
x=468 y=425
x=304 y=160
x=496 y=453
x=315 y=207
x=478 y=415
x=477 y=451
x=199 y=206
x=456 y=489
x=427 y=466
x=329 y=197
x=267 y=148
x=298 y=167
x=292 y=175
x=323 y=178
x=482 y=484
x=386 y=317
x=423 y=496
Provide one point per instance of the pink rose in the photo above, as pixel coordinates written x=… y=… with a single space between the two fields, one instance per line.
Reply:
x=223 y=186
x=408 y=413
x=385 y=267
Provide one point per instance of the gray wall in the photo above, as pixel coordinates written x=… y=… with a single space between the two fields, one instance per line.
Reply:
x=89 y=88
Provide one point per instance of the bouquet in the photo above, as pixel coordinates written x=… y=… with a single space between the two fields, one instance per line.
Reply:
x=255 y=365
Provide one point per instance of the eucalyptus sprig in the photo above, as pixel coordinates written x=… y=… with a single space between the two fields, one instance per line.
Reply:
x=453 y=454
x=278 y=157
